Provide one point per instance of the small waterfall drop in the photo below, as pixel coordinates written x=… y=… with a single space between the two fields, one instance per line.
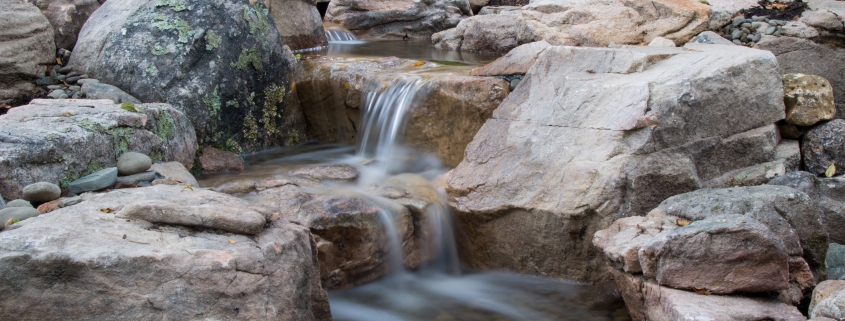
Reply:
x=335 y=35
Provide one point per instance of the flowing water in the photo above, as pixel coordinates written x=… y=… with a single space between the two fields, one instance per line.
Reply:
x=440 y=290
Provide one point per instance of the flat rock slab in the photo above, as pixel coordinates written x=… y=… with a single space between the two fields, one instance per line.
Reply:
x=52 y=263
x=209 y=216
x=62 y=140
x=622 y=240
x=720 y=254
x=94 y=182
x=648 y=301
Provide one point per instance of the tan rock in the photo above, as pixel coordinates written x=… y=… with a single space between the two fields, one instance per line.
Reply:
x=828 y=300
x=26 y=48
x=516 y=61
x=397 y=18
x=173 y=173
x=214 y=160
x=808 y=99
x=622 y=240
x=67 y=18
x=299 y=23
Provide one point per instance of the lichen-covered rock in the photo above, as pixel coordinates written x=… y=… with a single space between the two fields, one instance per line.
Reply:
x=299 y=23
x=62 y=140
x=808 y=99
x=594 y=134
x=397 y=18
x=220 y=62
x=578 y=23
x=26 y=47
x=52 y=264
x=67 y=18
x=827 y=193
x=823 y=146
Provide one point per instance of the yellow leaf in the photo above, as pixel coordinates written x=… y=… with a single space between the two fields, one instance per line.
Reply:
x=419 y=63
x=346 y=86
x=187 y=186
x=682 y=222
x=106 y=210
x=231 y=241
x=701 y=291
x=830 y=170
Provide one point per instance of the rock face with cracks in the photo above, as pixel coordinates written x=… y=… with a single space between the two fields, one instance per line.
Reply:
x=595 y=134
x=142 y=267
x=26 y=46
x=397 y=18
x=67 y=18
x=220 y=62
x=59 y=141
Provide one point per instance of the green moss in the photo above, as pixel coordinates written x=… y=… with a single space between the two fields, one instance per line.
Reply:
x=273 y=96
x=158 y=50
x=156 y=156
x=232 y=146
x=212 y=101
x=129 y=106
x=184 y=30
x=176 y=5
x=51 y=137
x=212 y=40
x=232 y=103
x=257 y=18
x=73 y=174
x=91 y=126
x=151 y=70
x=250 y=128
x=247 y=57
x=165 y=127
x=121 y=138
x=251 y=99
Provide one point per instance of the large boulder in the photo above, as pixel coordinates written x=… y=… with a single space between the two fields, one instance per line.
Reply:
x=142 y=266
x=220 y=62
x=67 y=18
x=394 y=19
x=828 y=300
x=579 y=23
x=648 y=301
x=827 y=193
x=299 y=23
x=595 y=134
x=451 y=107
x=808 y=99
x=26 y=46
x=59 y=141
x=796 y=55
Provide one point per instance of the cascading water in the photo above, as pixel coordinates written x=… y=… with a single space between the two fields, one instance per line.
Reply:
x=335 y=35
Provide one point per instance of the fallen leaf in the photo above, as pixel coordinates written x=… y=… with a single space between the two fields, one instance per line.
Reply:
x=830 y=170
x=701 y=291
x=106 y=210
x=187 y=186
x=419 y=63
x=682 y=222
x=10 y=222
x=231 y=241
x=58 y=61
x=67 y=114
x=346 y=86
x=590 y=71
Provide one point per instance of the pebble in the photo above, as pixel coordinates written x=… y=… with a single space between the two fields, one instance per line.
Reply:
x=737 y=42
x=746 y=25
x=133 y=163
x=736 y=34
x=17 y=213
x=2 y=202
x=43 y=81
x=72 y=73
x=54 y=73
x=65 y=69
x=135 y=179
x=70 y=201
x=52 y=87
x=41 y=192
x=737 y=21
x=74 y=88
x=756 y=18
x=756 y=24
x=65 y=96
x=83 y=76
x=72 y=80
x=770 y=30
x=756 y=37
x=58 y=93
x=61 y=77
x=98 y=180
x=19 y=203
x=514 y=83
x=87 y=81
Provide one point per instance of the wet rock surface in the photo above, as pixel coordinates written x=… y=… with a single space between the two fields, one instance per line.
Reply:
x=394 y=19
x=221 y=63
x=167 y=271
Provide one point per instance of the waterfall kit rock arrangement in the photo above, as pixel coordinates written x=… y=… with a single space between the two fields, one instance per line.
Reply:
x=683 y=156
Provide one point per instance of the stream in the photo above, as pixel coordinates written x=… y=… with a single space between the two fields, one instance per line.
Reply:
x=440 y=289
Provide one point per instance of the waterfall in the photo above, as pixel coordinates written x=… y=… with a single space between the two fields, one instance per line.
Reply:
x=335 y=35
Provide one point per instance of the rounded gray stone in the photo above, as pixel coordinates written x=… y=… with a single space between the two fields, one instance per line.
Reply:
x=98 y=180
x=70 y=201
x=19 y=203
x=133 y=163
x=41 y=192
x=17 y=213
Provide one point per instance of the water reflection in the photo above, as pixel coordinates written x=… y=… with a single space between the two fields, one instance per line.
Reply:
x=412 y=49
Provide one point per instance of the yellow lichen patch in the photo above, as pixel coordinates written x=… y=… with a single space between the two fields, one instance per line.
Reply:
x=250 y=128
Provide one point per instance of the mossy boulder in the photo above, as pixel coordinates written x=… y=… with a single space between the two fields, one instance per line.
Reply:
x=59 y=141
x=221 y=62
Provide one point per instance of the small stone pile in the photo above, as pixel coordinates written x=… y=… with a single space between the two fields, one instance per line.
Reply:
x=61 y=81
x=748 y=31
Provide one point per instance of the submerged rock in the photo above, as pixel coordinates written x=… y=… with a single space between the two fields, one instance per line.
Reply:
x=221 y=63
x=50 y=265
x=595 y=134
x=63 y=140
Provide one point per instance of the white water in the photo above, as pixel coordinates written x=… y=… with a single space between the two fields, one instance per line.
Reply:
x=335 y=35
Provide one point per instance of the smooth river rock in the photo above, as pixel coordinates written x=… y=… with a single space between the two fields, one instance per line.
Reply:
x=594 y=134
x=62 y=140
x=133 y=163
x=95 y=181
x=50 y=265
x=41 y=192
